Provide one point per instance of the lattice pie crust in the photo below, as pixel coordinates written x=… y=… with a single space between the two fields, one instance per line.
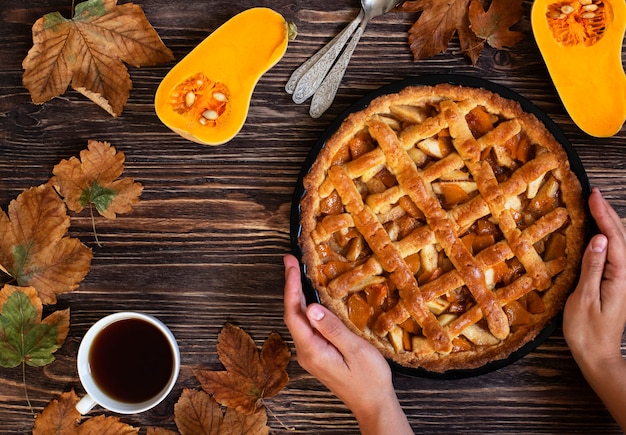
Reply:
x=444 y=225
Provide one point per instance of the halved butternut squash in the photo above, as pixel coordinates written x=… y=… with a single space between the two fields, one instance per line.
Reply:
x=581 y=44
x=206 y=96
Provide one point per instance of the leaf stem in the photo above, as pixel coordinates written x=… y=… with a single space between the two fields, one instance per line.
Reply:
x=93 y=225
x=30 y=406
x=291 y=429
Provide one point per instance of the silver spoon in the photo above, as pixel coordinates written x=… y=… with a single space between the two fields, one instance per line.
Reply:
x=307 y=77
x=325 y=94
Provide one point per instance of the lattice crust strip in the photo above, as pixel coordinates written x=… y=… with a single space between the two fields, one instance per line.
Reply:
x=392 y=227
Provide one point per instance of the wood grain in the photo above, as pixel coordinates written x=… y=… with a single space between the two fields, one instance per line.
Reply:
x=205 y=244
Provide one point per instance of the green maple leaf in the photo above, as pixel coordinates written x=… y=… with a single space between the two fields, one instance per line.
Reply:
x=100 y=196
x=26 y=338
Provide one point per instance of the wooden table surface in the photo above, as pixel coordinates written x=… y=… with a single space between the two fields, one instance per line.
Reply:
x=204 y=246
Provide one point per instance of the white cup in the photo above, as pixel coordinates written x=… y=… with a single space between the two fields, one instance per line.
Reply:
x=96 y=394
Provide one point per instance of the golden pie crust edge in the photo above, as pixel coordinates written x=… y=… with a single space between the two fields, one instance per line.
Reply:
x=571 y=192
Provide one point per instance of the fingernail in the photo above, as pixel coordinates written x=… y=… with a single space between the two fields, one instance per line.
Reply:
x=316 y=312
x=598 y=243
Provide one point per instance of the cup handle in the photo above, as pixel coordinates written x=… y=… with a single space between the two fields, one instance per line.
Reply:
x=85 y=404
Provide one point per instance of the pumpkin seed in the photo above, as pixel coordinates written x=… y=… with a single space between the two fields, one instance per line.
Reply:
x=556 y=15
x=219 y=96
x=209 y=114
x=190 y=98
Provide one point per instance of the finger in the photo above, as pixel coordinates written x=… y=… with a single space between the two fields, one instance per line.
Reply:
x=617 y=221
x=294 y=297
x=606 y=218
x=593 y=262
x=294 y=301
x=333 y=329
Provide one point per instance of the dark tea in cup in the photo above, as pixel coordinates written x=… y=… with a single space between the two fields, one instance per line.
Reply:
x=127 y=362
x=131 y=360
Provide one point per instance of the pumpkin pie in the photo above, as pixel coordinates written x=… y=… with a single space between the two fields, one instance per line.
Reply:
x=443 y=224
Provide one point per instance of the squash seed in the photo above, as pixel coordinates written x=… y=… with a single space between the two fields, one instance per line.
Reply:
x=219 y=96
x=190 y=98
x=556 y=15
x=211 y=115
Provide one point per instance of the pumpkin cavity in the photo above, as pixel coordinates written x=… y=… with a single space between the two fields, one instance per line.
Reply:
x=578 y=22
x=201 y=99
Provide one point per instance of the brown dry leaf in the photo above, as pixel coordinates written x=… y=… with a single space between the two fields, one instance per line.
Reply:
x=61 y=417
x=160 y=431
x=438 y=22
x=236 y=423
x=34 y=247
x=89 y=51
x=494 y=24
x=249 y=377
x=94 y=180
x=106 y=425
x=197 y=412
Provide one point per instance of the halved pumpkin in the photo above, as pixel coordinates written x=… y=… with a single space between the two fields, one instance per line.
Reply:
x=205 y=97
x=581 y=44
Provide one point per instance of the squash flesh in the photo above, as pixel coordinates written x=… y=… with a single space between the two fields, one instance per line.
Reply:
x=232 y=58
x=586 y=70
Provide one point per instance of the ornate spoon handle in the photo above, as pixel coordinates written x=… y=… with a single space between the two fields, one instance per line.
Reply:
x=306 y=79
x=325 y=94
x=290 y=87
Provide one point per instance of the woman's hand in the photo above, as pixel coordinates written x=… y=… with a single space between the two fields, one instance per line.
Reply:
x=352 y=368
x=595 y=313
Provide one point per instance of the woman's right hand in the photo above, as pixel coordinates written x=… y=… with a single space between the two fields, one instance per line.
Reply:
x=352 y=368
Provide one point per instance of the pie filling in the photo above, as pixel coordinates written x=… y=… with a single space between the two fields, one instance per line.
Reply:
x=444 y=225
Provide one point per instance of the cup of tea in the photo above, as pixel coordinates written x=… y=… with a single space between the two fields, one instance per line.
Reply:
x=128 y=362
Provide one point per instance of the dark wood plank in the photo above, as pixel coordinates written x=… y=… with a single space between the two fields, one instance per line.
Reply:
x=204 y=245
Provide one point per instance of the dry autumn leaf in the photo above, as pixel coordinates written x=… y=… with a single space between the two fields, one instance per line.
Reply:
x=160 y=431
x=196 y=412
x=26 y=338
x=249 y=376
x=439 y=20
x=236 y=423
x=61 y=417
x=494 y=25
x=94 y=180
x=88 y=51
x=34 y=248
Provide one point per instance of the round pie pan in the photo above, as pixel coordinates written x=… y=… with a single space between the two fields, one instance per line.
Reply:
x=431 y=80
